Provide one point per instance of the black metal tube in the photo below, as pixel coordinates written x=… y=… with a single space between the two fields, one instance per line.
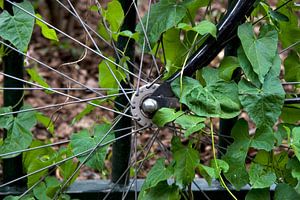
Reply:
x=122 y=148
x=13 y=65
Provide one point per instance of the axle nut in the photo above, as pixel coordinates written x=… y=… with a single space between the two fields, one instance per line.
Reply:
x=149 y=105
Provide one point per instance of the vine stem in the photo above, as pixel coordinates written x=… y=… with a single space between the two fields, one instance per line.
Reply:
x=215 y=160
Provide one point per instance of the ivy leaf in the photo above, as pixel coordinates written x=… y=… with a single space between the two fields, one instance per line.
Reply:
x=163 y=15
x=295 y=144
x=106 y=78
x=47 y=32
x=17 y=28
x=186 y=160
x=85 y=140
x=228 y=65
x=114 y=15
x=261 y=176
x=261 y=50
x=19 y=136
x=263 y=105
x=258 y=194
x=165 y=115
x=236 y=155
x=284 y=191
x=157 y=174
x=162 y=191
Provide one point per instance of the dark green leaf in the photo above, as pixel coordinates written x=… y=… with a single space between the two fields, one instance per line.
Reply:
x=228 y=65
x=18 y=28
x=194 y=129
x=290 y=113
x=285 y=192
x=261 y=176
x=162 y=191
x=263 y=105
x=263 y=139
x=292 y=67
x=163 y=15
x=187 y=121
x=261 y=50
x=186 y=160
x=236 y=155
x=278 y=16
x=7 y=119
x=295 y=144
x=39 y=192
x=258 y=194
x=84 y=140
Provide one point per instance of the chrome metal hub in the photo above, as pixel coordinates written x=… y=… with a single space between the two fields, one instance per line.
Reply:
x=142 y=106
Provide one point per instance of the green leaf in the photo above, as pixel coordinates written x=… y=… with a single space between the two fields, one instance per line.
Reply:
x=290 y=113
x=295 y=144
x=259 y=50
x=208 y=173
x=88 y=109
x=228 y=65
x=187 y=121
x=18 y=28
x=157 y=174
x=7 y=119
x=47 y=32
x=258 y=194
x=194 y=129
x=19 y=136
x=285 y=192
x=35 y=160
x=114 y=15
x=278 y=16
x=263 y=138
x=2 y=4
x=165 y=115
x=129 y=34
x=236 y=155
x=162 y=191
x=26 y=197
x=163 y=15
x=186 y=160
x=46 y=121
x=39 y=191
x=263 y=105
x=205 y=27
x=84 y=140
x=261 y=176
x=107 y=79
x=292 y=67
x=36 y=77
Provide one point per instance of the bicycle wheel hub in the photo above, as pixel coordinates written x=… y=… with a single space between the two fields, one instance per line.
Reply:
x=143 y=107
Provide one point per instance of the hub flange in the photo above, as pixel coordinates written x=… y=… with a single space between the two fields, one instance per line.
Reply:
x=143 y=106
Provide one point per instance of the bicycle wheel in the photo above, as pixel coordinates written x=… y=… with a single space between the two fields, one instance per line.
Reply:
x=122 y=98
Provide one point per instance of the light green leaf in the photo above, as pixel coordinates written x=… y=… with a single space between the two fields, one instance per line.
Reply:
x=284 y=191
x=295 y=144
x=236 y=155
x=88 y=109
x=84 y=140
x=2 y=4
x=194 y=129
x=6 y=120
x=106 y=78
x=263 y=105
x=261 y=176
x=258 y=194
x=114 y=15
x=129 y=34
x=208 y=173
x=205 y=27
x=165 y=115
x=187 y=121
x=18 y=28
x=260 y=50
x=162 y=191
x=157 y=174
x=228 y=65
x=186 y=160
x=47 y=32
x=36 y=77
x=46 y=121
x=39 y=192
x=163 y=15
